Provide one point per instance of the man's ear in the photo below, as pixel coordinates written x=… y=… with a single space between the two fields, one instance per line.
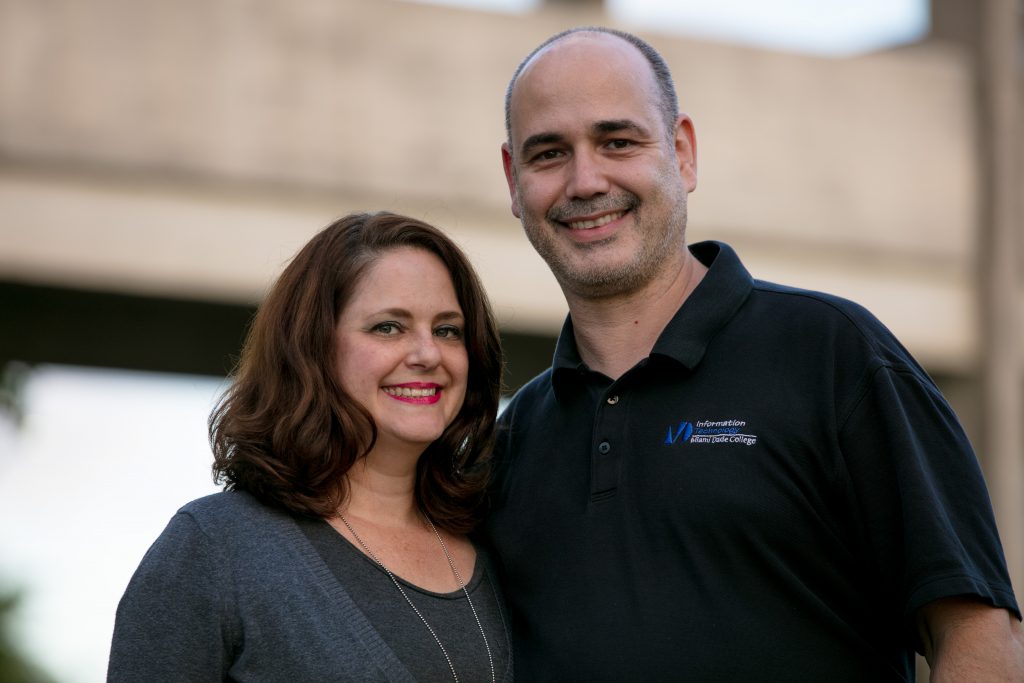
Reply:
x=686 y=151
x=510 y=177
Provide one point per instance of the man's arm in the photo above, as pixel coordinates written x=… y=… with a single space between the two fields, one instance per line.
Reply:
x=968 y=640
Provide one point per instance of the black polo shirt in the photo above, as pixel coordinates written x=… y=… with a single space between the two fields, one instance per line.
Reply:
x=770 y=495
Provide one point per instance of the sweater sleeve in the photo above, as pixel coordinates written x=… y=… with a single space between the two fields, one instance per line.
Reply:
x=174 y=621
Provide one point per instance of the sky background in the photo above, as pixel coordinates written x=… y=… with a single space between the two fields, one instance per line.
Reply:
x=824 y=27
x=102 y=459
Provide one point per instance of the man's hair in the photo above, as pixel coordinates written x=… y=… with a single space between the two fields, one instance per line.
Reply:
x=286 y=431
x=667 y=100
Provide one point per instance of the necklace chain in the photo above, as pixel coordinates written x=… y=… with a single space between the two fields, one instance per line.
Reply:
x=458 y=578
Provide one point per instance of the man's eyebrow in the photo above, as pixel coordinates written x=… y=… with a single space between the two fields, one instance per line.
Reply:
x=539 y=139
x=617 y=126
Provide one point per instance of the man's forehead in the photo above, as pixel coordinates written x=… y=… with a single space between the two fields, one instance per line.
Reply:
x=582 y=67
x=581 y=50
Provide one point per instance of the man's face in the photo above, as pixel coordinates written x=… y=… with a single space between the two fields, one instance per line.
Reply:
x=598 y=182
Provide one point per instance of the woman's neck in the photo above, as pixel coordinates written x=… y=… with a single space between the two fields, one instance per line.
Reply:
x=382 y=489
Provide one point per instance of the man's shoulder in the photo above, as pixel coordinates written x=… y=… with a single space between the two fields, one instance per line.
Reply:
x=810 y=299
x=529 y=401
x=818 y=306
x=529 y=393
x=539 y=384
x=840 y=322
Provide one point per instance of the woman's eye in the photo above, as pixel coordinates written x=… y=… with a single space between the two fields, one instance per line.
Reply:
x=449 y=332
x=385 y=328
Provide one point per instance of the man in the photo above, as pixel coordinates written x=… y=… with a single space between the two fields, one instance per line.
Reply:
x=719 y=478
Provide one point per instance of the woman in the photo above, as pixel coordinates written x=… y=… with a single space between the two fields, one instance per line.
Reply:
x=352 y=444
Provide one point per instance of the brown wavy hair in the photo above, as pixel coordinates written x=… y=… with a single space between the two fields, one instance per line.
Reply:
x=285 y=430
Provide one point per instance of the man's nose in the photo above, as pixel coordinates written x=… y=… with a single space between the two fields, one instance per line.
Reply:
x=587 y=176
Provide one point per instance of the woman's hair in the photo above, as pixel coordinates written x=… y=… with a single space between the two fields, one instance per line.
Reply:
x=286 y=432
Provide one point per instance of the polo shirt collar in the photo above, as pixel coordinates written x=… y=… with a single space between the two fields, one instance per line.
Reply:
x=684 y=340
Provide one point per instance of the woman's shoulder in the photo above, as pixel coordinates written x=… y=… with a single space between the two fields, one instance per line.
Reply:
x=231 y=512
x=220 y=503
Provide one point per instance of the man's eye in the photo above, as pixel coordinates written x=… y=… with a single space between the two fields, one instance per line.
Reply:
x=620 y=144
x=547 y=155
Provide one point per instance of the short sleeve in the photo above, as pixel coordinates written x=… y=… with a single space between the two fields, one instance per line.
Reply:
x=174 y=622
x=924 y=507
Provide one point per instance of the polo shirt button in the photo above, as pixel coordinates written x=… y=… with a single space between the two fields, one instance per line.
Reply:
x=612 y=400
x=604 y=447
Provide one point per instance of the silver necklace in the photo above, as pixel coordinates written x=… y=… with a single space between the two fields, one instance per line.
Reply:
x=458 y=578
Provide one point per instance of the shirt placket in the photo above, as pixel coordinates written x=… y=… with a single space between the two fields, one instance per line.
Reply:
x=608 y=445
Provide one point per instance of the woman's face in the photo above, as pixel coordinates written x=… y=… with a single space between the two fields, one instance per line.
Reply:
x=399 y=348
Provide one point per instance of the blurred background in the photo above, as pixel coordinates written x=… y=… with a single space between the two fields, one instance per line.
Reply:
x=161 y=161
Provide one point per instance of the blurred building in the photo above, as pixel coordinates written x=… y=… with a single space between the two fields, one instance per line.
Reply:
x=160 y=162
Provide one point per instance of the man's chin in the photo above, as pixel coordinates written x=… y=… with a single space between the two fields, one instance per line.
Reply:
x=606 y=281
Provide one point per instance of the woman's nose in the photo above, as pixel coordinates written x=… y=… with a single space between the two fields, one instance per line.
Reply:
x=424 y=350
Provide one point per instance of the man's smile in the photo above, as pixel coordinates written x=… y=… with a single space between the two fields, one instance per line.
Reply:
x=595 y=222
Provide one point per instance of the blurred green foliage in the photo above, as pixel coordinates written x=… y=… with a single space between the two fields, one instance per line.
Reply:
x=13 y=376
x=14 y=666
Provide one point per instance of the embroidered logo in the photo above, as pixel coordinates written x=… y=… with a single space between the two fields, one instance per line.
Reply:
x=710 y=432
x=681 y=433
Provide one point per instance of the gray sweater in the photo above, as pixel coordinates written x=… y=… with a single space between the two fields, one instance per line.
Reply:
x=233 y=590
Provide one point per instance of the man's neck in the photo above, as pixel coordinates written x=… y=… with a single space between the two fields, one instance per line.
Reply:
x=614 y=334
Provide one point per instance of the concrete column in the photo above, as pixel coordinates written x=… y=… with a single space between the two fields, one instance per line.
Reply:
x=999 y=268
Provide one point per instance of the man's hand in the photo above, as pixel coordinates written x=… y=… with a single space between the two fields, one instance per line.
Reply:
x=968 y=640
